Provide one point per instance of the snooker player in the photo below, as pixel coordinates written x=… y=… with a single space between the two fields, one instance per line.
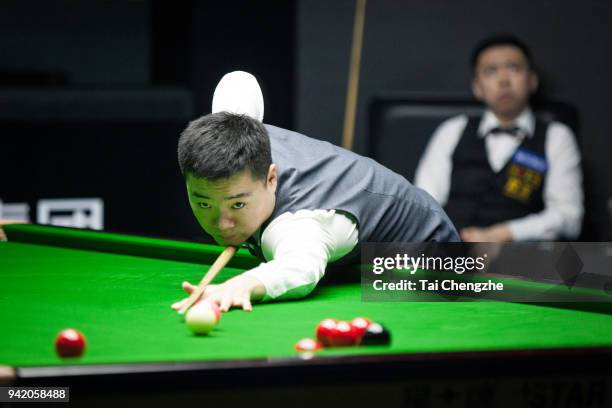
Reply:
x=298 y=202
x=507 y=175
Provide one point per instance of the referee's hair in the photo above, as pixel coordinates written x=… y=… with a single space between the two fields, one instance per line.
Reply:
x=500 y=40
x=221 y=145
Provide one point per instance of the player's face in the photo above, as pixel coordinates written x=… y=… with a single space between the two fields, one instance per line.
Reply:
x=504 y=81
x=232 y=209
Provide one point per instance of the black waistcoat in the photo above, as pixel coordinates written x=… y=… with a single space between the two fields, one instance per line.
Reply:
x=481 y=197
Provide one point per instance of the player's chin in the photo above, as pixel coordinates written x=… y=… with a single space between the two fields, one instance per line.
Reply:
x=233 y=241
x=505 y=102
x=510 y=103
x=507 y=109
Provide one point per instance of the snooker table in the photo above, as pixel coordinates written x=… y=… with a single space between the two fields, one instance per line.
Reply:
x=117 y=290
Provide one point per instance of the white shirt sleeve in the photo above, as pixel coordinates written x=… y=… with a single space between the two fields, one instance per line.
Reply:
x=433 y=173
x=299 y=246
x=562 y=192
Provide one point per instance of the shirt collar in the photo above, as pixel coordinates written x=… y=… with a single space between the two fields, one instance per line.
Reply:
x=255 y=239
x=525 y=121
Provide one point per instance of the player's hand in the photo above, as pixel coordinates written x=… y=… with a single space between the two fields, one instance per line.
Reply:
x=495 y=233
x=189 y=288
x=236 y=292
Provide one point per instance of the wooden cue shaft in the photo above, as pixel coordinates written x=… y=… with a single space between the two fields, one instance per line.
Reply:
x=219 y=264
x=348 y=132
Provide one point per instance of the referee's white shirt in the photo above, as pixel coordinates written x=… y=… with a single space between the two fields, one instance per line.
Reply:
x=562 y=189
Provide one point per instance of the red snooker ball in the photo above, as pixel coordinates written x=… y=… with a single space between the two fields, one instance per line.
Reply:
x=308 y=345
x=325 y=331
x=70 y=343
x=345 y=334
x=361 y=324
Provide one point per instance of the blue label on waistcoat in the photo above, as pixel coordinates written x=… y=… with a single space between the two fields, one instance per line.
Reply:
x=529 y=159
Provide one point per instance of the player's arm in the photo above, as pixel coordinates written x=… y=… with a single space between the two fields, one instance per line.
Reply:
x=433 y=173
x=495 y=233
x=299 y=247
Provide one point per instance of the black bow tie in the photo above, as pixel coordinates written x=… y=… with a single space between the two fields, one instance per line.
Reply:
x=254 y=249
x=514 y=131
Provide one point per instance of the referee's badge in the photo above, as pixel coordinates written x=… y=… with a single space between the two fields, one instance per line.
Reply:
x=524 y=175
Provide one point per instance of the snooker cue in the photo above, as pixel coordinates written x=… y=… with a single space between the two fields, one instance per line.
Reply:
x=219 y=264
x=353 y=81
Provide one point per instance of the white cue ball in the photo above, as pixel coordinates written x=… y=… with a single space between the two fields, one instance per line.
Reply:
x=201 y=318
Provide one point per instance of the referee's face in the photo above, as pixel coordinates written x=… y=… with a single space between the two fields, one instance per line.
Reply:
x=232 y=209
x=504 y=81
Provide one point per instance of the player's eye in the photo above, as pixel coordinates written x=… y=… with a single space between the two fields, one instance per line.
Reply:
x=238 y=206
x=488 y=71
x=204 y=205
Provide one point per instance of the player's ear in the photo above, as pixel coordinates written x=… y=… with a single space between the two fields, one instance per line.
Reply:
x=271 y=179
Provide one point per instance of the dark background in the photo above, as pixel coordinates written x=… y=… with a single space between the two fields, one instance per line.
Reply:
x=93 y=95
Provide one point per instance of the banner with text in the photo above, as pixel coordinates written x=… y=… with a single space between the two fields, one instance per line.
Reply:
x=514 y=272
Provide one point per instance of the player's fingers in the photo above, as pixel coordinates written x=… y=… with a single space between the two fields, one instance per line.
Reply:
x=225 y=303
x=214 y=300
x=211 y=294
x=246 y=303
x=242 y=300
x=466 y=234
x=210 y=290
x=472 y=238
x=188 y=287
x=237 y=301
x=178 y=305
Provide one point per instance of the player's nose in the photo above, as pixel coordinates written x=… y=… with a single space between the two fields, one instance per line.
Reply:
x=504 y=77
x=225 y=223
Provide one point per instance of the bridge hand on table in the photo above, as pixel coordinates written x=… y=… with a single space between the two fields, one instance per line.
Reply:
x=189 y=288
x=236 y=292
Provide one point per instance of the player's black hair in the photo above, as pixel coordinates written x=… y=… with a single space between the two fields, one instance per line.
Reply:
x=500 y=40
x=221 y=145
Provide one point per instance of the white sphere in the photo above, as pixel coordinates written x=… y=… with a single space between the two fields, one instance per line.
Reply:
x=201 y=318
x=238 y=92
